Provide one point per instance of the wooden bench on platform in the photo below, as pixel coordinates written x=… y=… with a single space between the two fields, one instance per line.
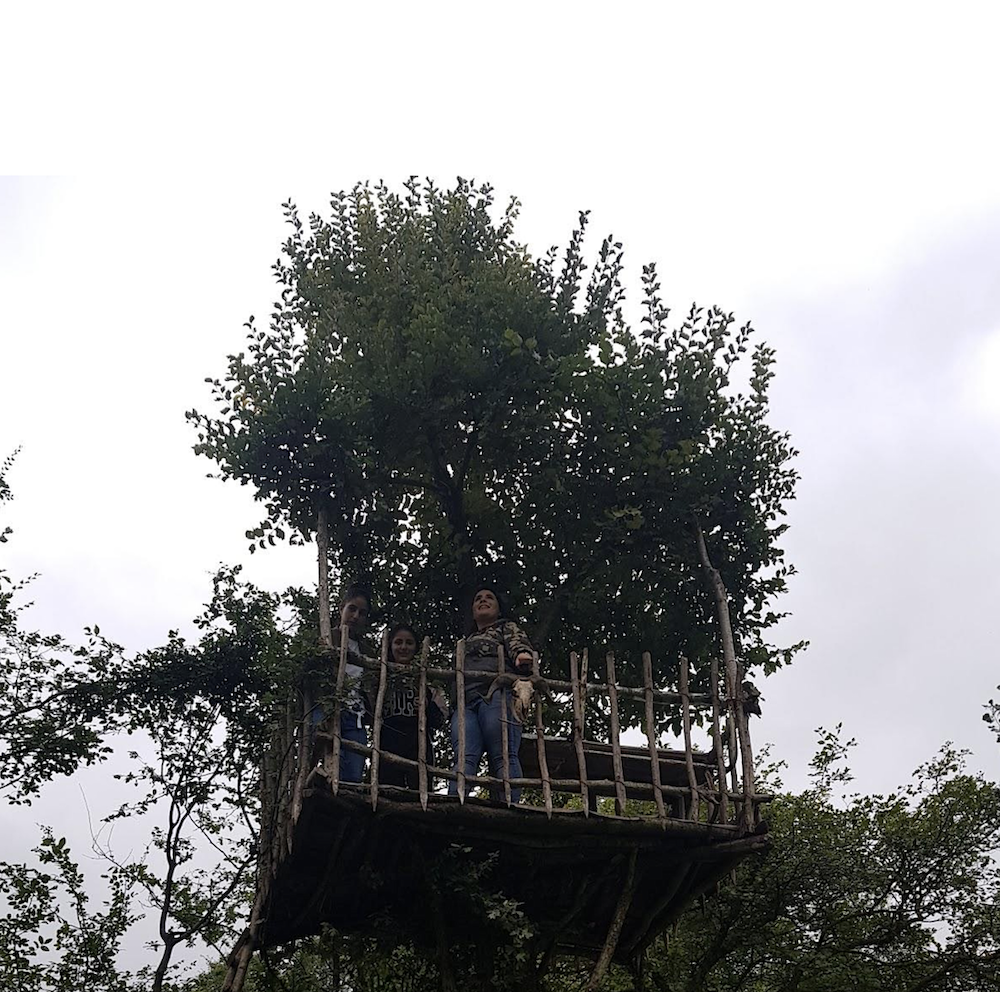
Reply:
x=636 y=768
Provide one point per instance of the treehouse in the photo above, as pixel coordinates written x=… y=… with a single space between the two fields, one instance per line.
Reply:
x=609 y=843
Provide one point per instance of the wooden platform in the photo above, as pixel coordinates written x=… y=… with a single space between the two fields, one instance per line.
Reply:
x=376 y=860
x=359 y=870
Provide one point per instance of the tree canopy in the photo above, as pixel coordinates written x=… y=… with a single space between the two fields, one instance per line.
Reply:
x=463 y=410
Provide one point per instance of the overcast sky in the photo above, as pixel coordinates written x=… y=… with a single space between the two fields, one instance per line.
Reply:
x=832 y=177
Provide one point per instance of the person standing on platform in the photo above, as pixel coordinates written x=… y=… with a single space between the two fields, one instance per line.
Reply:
x=400 y=722
x=355 y=708
x=491 y=630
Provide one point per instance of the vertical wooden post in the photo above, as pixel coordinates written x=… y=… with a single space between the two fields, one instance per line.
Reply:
x=377 y=716
x=239 y=958
x=286 y=785
x=303 y=752
x=268 y=802
x=293 y=802
x=686 y=724
x=338 y=691
x=733 y=688
x=543 y=762
x=734 y=754
x=422 y=723
x=460 y=688
x=652 y=736
x=583 y=690
x=325 y=627
x=504 y=730
x=616 y=748
x=581 y=759
x=720 y=758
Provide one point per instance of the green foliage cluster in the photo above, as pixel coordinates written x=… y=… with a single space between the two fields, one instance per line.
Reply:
x=50 y=938
x=992 y=717
x=58 y=702
x=202 y=713
x=894 y=893
x=209 y=709
x=464 y=410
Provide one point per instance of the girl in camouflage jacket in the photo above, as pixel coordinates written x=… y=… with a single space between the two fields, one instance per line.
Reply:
x=483 y=729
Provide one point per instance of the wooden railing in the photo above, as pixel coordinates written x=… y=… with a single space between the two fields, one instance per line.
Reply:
x=715 y=786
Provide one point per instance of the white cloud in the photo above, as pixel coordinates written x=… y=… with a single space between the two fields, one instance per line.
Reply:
x=982 y=377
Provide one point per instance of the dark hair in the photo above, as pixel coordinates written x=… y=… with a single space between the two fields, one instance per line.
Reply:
x=354 y=590
x=395 y=630
x=501 y=599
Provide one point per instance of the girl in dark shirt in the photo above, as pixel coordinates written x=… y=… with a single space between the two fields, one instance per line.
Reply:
x=399 y=713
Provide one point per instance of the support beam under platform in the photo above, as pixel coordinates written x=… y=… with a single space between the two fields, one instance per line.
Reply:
x=360 y=870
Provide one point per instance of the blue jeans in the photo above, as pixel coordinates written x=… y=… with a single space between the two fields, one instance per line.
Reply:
x=352 y=764
x=483 y=735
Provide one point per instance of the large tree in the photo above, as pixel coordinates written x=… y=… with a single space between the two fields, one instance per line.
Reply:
x=895 y=893
x=454 y=408
x=460 y=409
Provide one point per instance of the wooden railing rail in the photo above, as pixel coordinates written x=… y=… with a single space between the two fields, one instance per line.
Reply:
x=699 y=790
x=447 y=675
x=559 y=784
x=714 y=787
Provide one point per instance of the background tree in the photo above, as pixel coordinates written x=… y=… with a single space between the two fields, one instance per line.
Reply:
x=459 y=409
x=50 y=937
x=894 y=893
x=57 y=699
x=201 y=717
x=207 y=709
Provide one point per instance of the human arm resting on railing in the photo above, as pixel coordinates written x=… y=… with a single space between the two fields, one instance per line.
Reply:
x=517 y=647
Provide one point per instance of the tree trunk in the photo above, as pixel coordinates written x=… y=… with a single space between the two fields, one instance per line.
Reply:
x=734 y=688
x=161 y=969
x=617 y=921
x=323 y=562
